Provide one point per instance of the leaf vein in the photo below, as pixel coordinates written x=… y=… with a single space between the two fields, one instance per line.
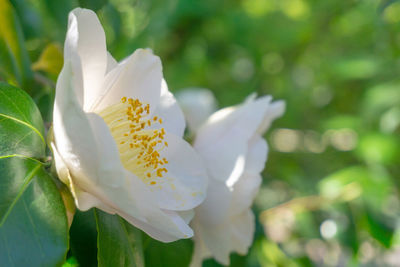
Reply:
x=20 y=156
x=34 y=228
x=28 y=178
x=26 y=124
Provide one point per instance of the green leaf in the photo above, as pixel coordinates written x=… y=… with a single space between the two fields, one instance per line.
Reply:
x=33 y=222
x=178 y=253
x=94 y=5
x=114 y=242
x=83 y=235
x=14 y=64
x=21 y=126
x=33 y=226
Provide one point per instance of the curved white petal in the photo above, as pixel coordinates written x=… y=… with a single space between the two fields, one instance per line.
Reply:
x=183 y=187
x=200 y=251
x=165 y=227
x=110 y=169
x=215 y=208
x=83 y=200
x=60 y=166
x=85 y=45
x=222 y=141
x=128 y=201
x=197 y=105
x=186 y=215
x=72 y=132
x=217 y=239
x=111 y=62
x=257 y=155
x=274 y=111
x=235 y=234
x=244 y=192
x=242 y=231
x=170 y=112
x=246 y=187
x=139 y=76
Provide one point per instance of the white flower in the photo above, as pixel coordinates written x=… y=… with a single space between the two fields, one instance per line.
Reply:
x=231 y=145
x=118 y=136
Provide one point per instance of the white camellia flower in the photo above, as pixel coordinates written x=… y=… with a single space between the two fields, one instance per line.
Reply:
x=118 y=136
x=231 y=145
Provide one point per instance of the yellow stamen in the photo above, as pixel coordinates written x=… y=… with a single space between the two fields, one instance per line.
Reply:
x=139 y=146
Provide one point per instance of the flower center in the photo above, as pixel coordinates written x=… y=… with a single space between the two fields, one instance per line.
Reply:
x=139 y=145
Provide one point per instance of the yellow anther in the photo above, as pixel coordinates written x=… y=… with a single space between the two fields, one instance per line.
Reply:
x=129 y=125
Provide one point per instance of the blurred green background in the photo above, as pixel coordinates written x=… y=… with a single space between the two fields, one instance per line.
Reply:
x=330 y=191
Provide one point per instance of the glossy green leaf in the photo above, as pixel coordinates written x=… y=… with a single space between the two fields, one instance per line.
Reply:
x=14 y=64
x=114 y=244
x=33 y=222
x=178 y=253
x=21 y=126
x=83 y=235
x=33 y=226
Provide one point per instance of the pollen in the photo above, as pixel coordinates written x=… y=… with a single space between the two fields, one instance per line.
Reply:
x=139 y=137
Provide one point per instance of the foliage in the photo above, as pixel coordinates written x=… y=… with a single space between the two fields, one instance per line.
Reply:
x=330 y=192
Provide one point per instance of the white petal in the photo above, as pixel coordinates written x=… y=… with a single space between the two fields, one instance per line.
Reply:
x=186 y=215
x=200 y=251
x=61 y=167
x=183 y=186
x=72 y=131
x=162 y=226
x=275 y=110
x=246 y=187
x=222 y=141
x=215 y=208
x=197 y=105
x=139 y=77
x=110 y=169
x=128 y=201
x=111 y=62
x=170 y=112
x=217 y=239
x=257 y=155
x=242 y=231
x=83 y=200
x=244 y=192
x=85 y=45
